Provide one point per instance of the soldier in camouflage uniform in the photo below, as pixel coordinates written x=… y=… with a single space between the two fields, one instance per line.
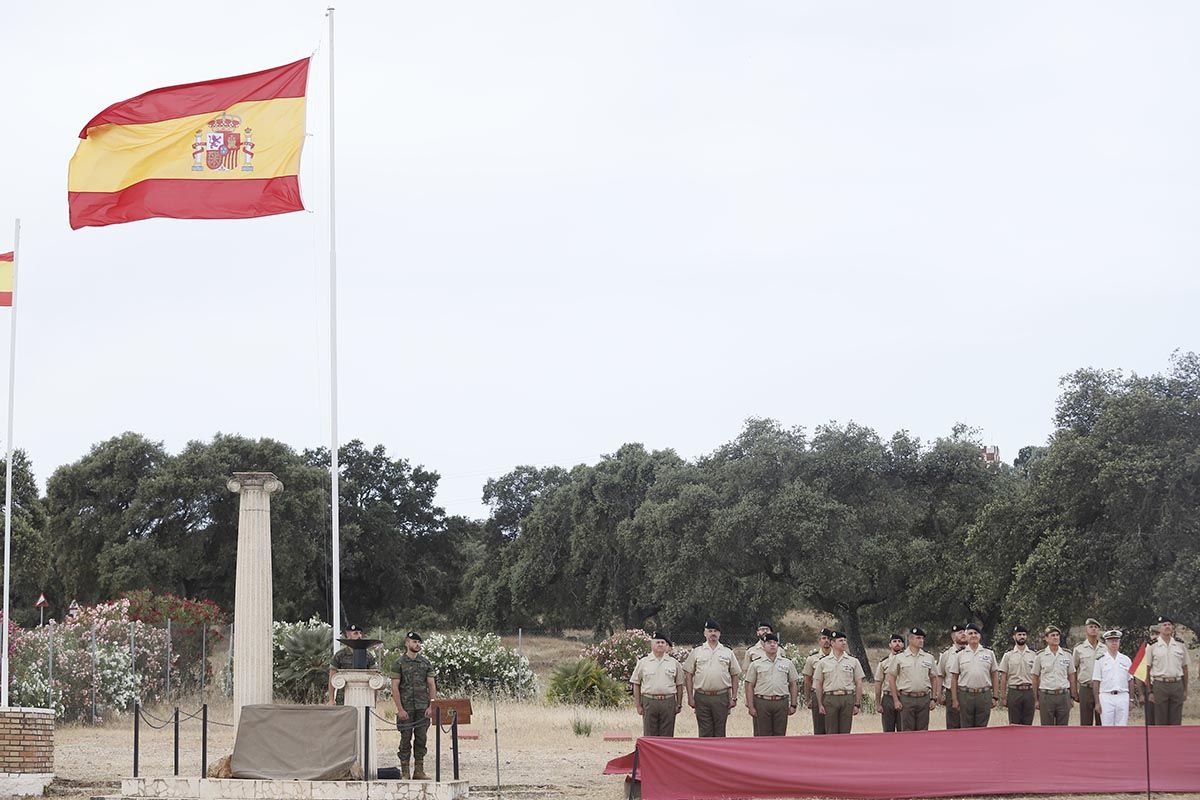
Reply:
x=414 y=687
x=344 y=659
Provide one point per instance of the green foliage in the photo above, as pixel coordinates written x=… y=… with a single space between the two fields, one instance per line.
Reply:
x=581 y=726
x=584 y=682
x=302 y=654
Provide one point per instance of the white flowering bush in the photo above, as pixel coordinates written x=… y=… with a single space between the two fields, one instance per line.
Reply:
x=465 y=661
x=92 y=661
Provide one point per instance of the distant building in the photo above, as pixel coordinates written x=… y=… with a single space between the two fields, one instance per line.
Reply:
x=990 y=454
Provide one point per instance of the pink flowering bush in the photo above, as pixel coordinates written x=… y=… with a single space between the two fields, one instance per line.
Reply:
x=618 y=654
x=92 y=659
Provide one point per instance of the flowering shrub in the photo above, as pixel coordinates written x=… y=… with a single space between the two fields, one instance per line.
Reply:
x=93 y=660
x=196 y=628
x=618 y=654
x=465 y=661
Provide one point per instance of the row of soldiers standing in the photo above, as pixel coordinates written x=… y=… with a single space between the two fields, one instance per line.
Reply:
x=967 y=679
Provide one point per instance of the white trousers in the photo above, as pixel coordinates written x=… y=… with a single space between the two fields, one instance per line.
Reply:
x=1114 y=709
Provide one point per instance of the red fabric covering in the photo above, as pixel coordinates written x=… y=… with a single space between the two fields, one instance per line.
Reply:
x=982 y=761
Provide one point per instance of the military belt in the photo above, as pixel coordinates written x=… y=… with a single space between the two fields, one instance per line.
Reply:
x=840 y=692
x=1116 y=691
x=658 y=696
x=915 y=694
x=1054 y=691
x=771 y=696
x=974 y=691
x=1164 y=680
x=713 y=693
x=1021 y=687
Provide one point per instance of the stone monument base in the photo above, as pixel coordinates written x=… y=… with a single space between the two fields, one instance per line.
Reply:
x=26 y=750
x=23 y=783
x=237 y=789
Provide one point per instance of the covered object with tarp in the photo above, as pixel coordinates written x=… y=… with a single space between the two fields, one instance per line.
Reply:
x=306 y=743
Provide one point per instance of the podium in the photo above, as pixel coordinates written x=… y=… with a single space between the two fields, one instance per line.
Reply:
x=360 y=686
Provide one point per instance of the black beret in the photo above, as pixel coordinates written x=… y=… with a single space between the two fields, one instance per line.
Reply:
x=916 y=631
x=971 y=626
x=666 y=637
x=837 y=635
x=1162 y=619
x=771 y=637
x=416 y=637
x=1020 y=629
x=712 y=623
x=352 y=627
x=955 y=628
x=766 y=625
x=896 y=638
x=828 y=634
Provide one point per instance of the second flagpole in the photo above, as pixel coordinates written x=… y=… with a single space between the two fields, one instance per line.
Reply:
x=8 y=466
x=334 y=495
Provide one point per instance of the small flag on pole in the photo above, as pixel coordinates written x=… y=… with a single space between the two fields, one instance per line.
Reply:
x=1138 y=667
x=221 y=149
x=6 y=278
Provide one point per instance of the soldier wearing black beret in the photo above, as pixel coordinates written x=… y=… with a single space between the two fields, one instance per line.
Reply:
x=810 y=664
x=958 y=640
x=711 y=674
x=887 y=712
x=1016 y=679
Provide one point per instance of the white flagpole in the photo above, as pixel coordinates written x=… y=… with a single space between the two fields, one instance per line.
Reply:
x=8 y=490
x=334 y=496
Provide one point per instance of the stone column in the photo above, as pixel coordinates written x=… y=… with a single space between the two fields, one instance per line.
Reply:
x=252 y=598
x=361 y=686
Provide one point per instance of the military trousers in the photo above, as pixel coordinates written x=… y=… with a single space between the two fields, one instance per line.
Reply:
x=1056 y=707
x=1168 y=702
x=839 y=713
x=712 y=711
x=914 y=716
x=414 y=735
x=889 y=714
x=1087 y=705
x=974 y=708
x=818 y=717
x=658 y=716
x=952 y=716
x=771 y=717
x=1020 y=705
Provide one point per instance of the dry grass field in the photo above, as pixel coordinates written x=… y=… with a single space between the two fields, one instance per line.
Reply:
x=540 y=755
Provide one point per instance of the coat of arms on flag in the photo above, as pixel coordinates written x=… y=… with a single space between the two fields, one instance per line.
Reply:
x=219 y=148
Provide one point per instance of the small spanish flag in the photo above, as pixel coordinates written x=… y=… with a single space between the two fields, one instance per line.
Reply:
x=1138 y=667
x=6 y=275
x=222 y=149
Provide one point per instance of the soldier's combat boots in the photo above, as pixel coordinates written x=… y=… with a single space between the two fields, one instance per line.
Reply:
x=404 y=770
x=419 y=772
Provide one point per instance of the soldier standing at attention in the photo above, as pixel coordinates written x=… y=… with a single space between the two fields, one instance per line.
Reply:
x=973 y=688
x=1016 y=679
x=887 y=711
x=711 y=674
x=756 y=650
x=1167 y=668
x=658 y=688
x=1054 y=680
x=810 y=666
x=913 y=683
x=771 y=688
x=344 y=659
x=1084 y=655
x=838 y=686
x=414 y=687
x=1111 y=681
x=958 y=640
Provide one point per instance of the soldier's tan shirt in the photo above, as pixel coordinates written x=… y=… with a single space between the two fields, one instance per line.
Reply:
x=838 y=674
x=882 y=666
x=714 y=668
x=753 y=653
x=1017 y=664
x=810 y=663
x=914 y=671
x=974 y=668
x=657 y=675
x=1084 y=655
x=1166 y=659
x=943 y=664
x=1053 y=669
x=771 y=676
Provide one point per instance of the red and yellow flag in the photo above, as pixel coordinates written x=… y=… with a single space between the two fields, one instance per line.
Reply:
x=6 y=270
x=1138 y=667
x=223 y=149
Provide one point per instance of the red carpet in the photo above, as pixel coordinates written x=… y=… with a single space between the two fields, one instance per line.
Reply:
x=981 y=761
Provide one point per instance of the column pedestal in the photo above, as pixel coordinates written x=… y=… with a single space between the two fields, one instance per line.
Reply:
x=361 y=687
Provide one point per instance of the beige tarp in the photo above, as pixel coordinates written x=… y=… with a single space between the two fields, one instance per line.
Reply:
x=307 y=743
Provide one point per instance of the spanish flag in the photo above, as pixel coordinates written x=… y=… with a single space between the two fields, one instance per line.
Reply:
x=223 y=149
x=1138 y=668
x=6 y=270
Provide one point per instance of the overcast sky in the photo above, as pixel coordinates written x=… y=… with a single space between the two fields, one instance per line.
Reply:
x=568 y=225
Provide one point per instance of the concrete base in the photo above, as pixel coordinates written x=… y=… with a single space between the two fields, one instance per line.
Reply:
x=237 y=789
x=23 y=783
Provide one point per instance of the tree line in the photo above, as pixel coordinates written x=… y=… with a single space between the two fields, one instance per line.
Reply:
x=879 y=533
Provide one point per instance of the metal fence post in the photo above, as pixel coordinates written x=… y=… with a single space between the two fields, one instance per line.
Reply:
x=133 y=660
x=366 y=743
x=94 y=659
x=50 y=669
x=137 y=728
x=204 y=741
x=454 y=739
x=169 y=660
x=203 y=656
x=437 y=744
x=176 y=741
